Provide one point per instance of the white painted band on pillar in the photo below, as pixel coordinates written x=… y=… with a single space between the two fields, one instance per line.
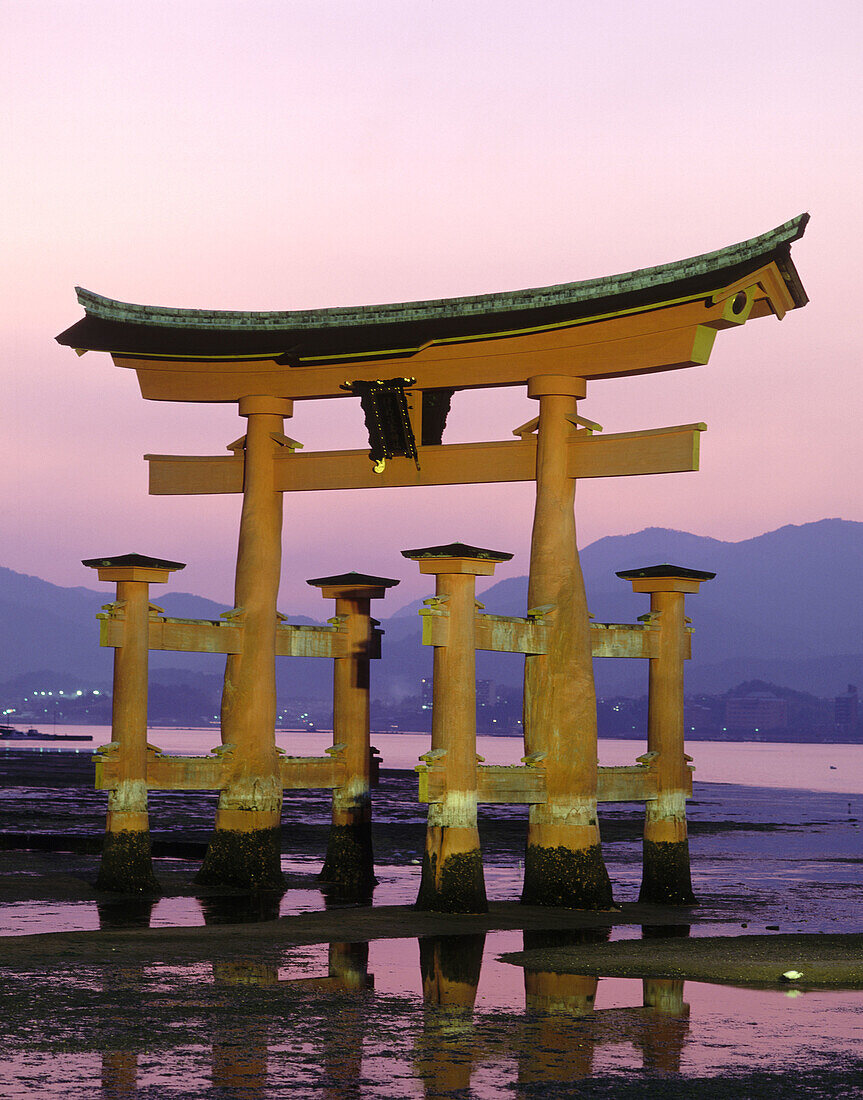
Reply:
x=667 y=806
x=263 y=794
x=129 y=796
x=572 y=811
x=457 y=808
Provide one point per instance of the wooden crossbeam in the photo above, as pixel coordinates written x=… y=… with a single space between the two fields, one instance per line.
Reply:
x=631 y=640
x=525 y=785
x=185 y=635
x=656 y=451
x=668 y=338
x=509 y=634
x=506 y=634
x=211 y=773
x=294 y=640
x=221 y=636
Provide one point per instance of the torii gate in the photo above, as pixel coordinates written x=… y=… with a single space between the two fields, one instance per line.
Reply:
x=553 y=341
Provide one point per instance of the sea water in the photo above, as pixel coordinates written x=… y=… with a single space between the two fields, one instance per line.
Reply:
x=776 y=846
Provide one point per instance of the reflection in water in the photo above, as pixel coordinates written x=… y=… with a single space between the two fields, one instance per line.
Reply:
x=342 y=1047
x=267 y=1026
x=240 y=1040
x=664 y=931
x=558 y=1046
x=119 y=1074
x=130 y=912
x=120 y=1063
x=446 y=1050
x=253 y=908
x=338 y=897
x=663 y=1037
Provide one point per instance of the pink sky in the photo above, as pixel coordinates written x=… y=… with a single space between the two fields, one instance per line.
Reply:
x=279 y=155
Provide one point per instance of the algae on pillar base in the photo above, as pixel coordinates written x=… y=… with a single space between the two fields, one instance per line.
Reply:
x=452 y=872
x=349 y=862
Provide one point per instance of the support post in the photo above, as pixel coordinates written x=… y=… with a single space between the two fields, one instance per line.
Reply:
x=126 y=865
x=452 y=872
x=563 y=861
x=349 y=862
x=245 y=849
x=666 y=875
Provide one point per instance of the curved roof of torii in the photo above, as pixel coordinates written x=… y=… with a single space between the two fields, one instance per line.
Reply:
x=366 y=334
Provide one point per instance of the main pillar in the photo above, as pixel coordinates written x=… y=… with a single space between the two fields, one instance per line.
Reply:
x=452 y=873
x=245 y=849
x=563 y=861
x=349 y=861
x=126 y=865
x=666 y=875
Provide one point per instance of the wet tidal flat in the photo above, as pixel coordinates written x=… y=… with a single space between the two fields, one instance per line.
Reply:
x=435 y=1015
x=210 y=993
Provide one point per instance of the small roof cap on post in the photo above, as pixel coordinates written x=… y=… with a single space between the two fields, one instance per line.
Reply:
x=134 y=567
x=665 y=578
x=457 y=557
x=357 y=585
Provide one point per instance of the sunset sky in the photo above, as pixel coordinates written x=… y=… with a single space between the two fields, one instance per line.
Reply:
x=241 y=154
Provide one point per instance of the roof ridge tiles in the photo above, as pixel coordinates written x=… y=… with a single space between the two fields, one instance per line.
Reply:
x=775 y=242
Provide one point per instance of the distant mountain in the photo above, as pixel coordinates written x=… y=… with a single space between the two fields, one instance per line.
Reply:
x=786 y=607
x=46 y=627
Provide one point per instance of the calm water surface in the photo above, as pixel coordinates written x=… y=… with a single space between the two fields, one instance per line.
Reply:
x=775 y=829
x=828 y=767
x=436 y=1017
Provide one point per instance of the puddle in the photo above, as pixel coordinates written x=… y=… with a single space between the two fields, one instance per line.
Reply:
x=412 y=1018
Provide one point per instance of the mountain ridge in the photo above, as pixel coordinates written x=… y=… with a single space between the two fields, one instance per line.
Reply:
x=788 y=600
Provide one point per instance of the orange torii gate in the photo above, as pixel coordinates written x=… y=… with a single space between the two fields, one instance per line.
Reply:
x=554 y=341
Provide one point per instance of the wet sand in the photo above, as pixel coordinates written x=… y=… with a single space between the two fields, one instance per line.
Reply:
x=229 y=1008
x=826 y=961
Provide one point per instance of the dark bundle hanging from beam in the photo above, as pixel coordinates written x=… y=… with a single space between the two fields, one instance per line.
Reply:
x=387 y=421
x=436 y=406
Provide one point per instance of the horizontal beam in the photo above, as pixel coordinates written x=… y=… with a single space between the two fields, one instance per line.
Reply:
x=624 y=640
x=184 y=635
x=496 y=784
x=656 y=451
x=672 y=336
x=190 y=475
x=219 y=636
x=626 y=783
x=212 y=773
x=518 y=785
x=165 y=773
x=508 y=634
x=294 y=640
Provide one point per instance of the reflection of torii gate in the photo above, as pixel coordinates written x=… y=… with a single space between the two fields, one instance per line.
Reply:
x=553 y=341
